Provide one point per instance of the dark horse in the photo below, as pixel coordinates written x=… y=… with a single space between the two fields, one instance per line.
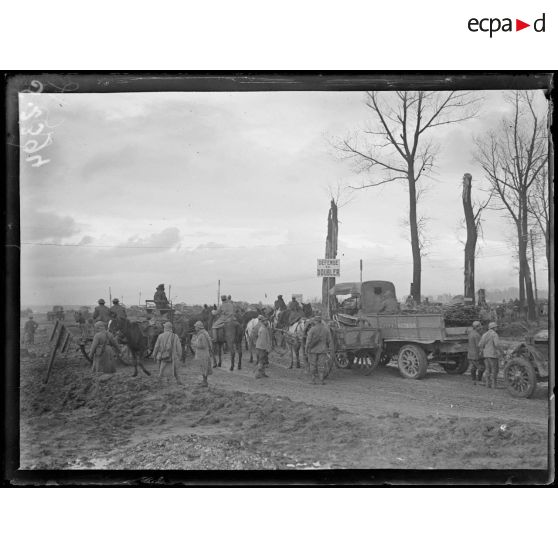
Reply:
x=184 y=328
x=231 y=334
x=131 y=334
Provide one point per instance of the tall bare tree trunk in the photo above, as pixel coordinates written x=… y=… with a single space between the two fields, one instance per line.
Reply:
x=471 y=242
x=524 y=260
x=415 y=239
x=330 y=249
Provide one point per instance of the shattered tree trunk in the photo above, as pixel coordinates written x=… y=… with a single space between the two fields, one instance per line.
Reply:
x=471 y=242
x=330 y=251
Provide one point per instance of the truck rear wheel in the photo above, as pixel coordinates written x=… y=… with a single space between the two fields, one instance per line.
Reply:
x=520 y=377
x=412 y=362
x=457 y=366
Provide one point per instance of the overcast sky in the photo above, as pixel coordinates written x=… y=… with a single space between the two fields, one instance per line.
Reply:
x=188 y=188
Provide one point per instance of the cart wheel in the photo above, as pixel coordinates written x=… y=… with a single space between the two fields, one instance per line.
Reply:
x=459 y=366
x=412 y=362
x=343 y=360
x=520 y=377
x=366 y=360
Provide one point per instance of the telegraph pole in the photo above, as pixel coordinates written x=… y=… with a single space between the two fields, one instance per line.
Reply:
x=218 y=293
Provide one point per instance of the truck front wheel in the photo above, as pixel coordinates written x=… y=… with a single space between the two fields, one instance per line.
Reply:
x=520 y=377
x=412 y=362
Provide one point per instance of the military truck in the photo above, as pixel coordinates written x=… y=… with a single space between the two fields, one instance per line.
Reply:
x=365 y=336
x=57 y=313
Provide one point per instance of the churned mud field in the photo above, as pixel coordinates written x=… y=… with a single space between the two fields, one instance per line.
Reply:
x=354 y=421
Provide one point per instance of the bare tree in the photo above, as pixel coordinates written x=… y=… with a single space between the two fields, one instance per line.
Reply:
x=397 y=146
x=512 y=159
x=539 y=208
x=473 y=213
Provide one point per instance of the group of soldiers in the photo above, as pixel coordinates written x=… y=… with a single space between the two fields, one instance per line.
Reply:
x=168 y=348
x=104 y=314
x=484 y=352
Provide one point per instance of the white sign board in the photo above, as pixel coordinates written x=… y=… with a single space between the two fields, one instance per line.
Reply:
x=329 y=267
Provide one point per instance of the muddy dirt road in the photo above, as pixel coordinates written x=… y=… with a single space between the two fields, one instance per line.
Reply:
x=283 y=422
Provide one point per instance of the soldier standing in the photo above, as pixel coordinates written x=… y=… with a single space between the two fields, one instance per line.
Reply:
x=203 y=348
x=103 y=350
x=167 y=352
x=29 y=331
x=318 y=343
x=489 y=344
x=263 y=346
x=476 y=364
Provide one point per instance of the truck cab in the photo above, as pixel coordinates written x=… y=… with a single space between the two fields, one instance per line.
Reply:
x=365 y=298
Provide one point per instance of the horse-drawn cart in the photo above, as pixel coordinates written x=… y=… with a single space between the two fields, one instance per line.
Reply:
x=357 y=347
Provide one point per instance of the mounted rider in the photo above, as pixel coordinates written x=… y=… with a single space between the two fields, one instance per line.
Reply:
x=294 y=305
x=101 y=313
x=295 y=311
x=280 y=312
x=279 y=304
x=222 y=316
x=160 y=298
x=117 y=311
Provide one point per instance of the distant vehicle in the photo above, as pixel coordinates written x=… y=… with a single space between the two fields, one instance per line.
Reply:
x=83 y=314
x=364 y=337
x=57 y=313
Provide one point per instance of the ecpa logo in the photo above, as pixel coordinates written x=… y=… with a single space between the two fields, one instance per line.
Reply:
x=492 y=25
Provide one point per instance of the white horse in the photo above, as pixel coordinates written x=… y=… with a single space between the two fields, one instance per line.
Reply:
x=250 y=337
x=294 y=337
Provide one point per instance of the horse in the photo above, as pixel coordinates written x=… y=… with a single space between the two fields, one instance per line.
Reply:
x=249 y=336
x=131 y=334
x=230 y=333
x=294 y=338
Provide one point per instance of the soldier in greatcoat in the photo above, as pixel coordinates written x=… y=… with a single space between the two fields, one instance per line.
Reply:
x=167 y=352
x=201 y=342
x=318 y=343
